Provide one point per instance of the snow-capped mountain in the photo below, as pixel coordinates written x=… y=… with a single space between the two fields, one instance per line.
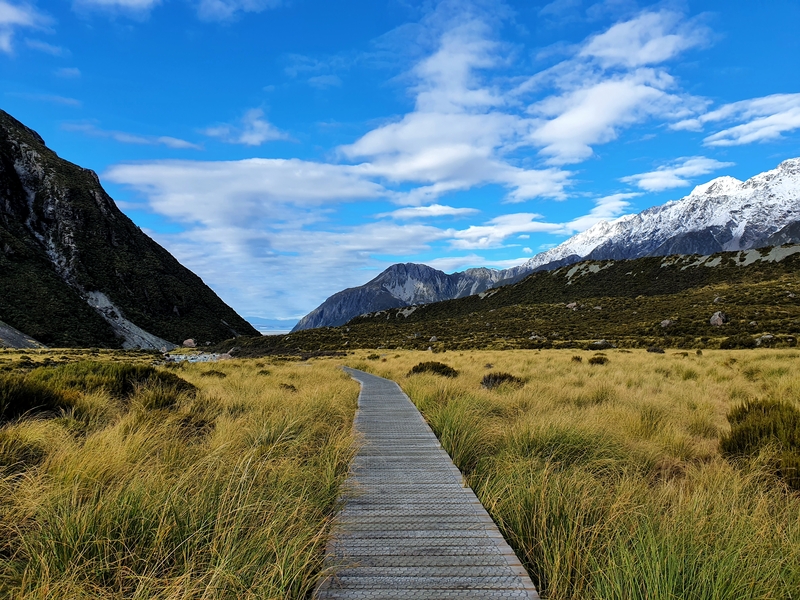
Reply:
x=724 y=214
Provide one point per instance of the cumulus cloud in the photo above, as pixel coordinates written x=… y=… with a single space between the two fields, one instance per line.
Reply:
x=131 y=138
x=252 y=130
x=17 y=16
x=605 y=209
x=676 y=174
x=614 y=80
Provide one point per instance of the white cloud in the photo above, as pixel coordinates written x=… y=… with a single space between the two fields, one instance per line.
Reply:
x=494 y=233
x=252 y=130
x=760 y=120
x=650 y=38
x=424 y=212
x=613 y=81
x=49 y=98
x=605 y=209
x=18 y=16
x=131 y=138
x=676 y=174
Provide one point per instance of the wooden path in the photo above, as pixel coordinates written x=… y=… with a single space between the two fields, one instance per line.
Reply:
x=410 y=528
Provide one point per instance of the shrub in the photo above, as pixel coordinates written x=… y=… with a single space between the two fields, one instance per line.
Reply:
x=577 y=359
x=758 y=424
x=434 y=367
x=120 y=380
x=737 y=341
x=19 y=396
x=598 y=360
x=655 y=350
x=373 y=356
x=288 y=387
x=214 y=373
x=493 y=380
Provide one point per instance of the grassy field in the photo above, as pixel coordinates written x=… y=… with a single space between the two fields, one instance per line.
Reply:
x=608 y=479
x=205 y=481
x=605 y=471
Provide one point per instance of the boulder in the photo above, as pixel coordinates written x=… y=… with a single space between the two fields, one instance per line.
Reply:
x=190 y=343
x=718 y=318
x=573 y=305
x=601 y=345
x=666 y=323
x=433 y=339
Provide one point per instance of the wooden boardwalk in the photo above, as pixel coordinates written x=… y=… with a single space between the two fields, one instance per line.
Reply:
x=410 y=528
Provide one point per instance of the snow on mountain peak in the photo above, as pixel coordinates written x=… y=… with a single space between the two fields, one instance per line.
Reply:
x=721 y=186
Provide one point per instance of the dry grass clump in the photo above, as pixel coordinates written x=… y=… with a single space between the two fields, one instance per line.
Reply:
x=610 y=483
x=169 y=484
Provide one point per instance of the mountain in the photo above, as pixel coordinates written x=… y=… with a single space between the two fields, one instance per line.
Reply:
x=725 y=300
x=724 y=214
x=75 y=271
x=399 y=285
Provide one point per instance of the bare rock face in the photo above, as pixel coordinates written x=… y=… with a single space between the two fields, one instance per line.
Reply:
x=75 y=271
x=718 y=318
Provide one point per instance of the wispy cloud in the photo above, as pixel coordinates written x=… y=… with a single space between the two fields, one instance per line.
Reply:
x=756 y=120
x=432 y=211
x=49 y=98
x=252 y=130
x=18 y=16
x=68 y=73
x=138 y=8
x=225 y=10
x=46 y=48
x=676 y=174
x=131 y=138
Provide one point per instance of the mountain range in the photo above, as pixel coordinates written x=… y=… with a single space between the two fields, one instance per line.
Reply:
x=75 y=271
x=722 y=215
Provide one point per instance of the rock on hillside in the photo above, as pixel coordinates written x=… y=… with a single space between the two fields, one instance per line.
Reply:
x=75 y=271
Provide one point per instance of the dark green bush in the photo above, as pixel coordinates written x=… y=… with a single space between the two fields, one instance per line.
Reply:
x=598 y=360
x=655 y=350
x=737 y=342
x=373 y=356
x=493 y=380
x=19 y=396
x=120 y=380
x=758 y=424
x=214 y=373
x=434 y=367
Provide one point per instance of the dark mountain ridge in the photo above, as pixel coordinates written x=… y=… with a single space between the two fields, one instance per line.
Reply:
x=75 y=271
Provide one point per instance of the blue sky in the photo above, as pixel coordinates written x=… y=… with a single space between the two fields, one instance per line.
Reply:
x=286 y=149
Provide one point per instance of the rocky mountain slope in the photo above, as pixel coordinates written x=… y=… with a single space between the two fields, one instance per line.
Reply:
x=75 y=271
x=724 y=214
x=399 y=285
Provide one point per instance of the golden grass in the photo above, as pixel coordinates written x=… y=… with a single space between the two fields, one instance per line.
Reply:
x=223 y=493
x=608 y=479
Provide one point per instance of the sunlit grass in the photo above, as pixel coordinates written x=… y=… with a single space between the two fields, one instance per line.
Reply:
x=608 y=478
x=157 y=492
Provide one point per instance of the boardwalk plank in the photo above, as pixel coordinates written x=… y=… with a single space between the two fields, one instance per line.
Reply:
x=410 y=527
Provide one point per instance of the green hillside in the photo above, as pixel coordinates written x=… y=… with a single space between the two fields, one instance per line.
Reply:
x=656 y=301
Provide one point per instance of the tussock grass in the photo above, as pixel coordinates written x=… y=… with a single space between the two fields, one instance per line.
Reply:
x=610 y=482
x=172 y=484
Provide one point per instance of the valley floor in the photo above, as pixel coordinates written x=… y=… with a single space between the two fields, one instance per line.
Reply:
x=613 y=475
